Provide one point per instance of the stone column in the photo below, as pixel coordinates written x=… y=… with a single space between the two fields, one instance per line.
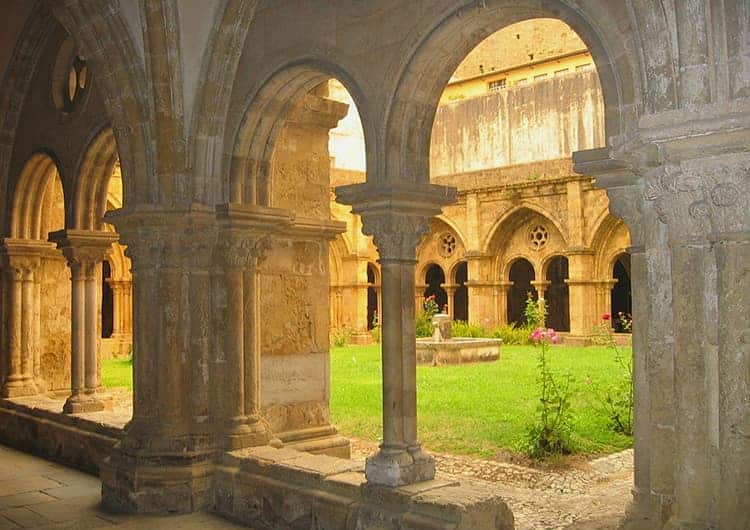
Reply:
x=419 y=289
x=397 y=219
x=502 y=302
x=450 y=290
x=85 y=250
x=21 y=262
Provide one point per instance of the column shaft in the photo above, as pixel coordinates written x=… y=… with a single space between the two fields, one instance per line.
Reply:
x=234 y=350
x=91 y=328
x=15 y=373
x=77 y=330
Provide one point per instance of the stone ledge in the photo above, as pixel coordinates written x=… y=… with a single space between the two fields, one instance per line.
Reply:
x=285 y=489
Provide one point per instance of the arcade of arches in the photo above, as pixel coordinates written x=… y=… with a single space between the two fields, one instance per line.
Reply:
x=169 y=178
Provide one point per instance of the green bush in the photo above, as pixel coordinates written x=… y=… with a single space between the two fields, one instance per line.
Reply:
x=461 y=328
x=512 y=334
x=340 y=336
x=424 y=324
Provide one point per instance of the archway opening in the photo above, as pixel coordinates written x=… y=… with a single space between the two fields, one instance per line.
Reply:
x=434 y=279
x=622 y=298
x=521 y=275
x=108 y=316
x=461 y=296
x=557 y=294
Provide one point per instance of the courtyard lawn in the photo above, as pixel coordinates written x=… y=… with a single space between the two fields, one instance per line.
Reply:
x=117 y=373
x=477 y=409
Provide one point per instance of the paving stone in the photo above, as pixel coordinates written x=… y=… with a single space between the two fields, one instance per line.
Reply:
x=24 y=499
x=24 y=517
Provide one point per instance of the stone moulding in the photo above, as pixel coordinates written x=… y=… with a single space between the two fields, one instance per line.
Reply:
x=285 y=489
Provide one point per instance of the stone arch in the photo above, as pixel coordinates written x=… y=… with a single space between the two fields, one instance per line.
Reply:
x=253 y=145
x=515 y=215
x=18 y=77
x=434 y=278
x=92 y=182
x=454 y=228
x=602 y=243
x=459 y=277
x=38 y=174
x=116 y=64
x=521 y=273
x=412 y=110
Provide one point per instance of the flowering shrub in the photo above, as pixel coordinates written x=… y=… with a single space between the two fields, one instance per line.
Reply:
x=340 y=336
x=624 y=322
x=617 y=405
x=424 y=317
x=551 y=433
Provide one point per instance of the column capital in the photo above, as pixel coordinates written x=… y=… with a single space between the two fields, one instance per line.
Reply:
x=396 y=215
x=23 y=254
x=84 y=247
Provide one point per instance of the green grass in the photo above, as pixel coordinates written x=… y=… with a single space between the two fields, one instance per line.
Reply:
x=477 y=409
x=117 y=373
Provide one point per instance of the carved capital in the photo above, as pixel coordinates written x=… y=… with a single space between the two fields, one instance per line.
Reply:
x=396 y=234
x=83 y=248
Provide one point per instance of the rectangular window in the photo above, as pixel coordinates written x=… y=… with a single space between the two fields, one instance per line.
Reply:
x=561 y=72
x=540 y=76
x=497 y=84
x=583 y=66
x=521 y=81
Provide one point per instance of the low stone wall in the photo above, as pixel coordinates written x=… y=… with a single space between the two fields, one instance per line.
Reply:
x=69 y=439
x=285 y=489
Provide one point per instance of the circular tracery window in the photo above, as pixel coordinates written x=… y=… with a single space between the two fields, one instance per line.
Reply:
x=538 y=237
x=447 y=245
x=70 y=77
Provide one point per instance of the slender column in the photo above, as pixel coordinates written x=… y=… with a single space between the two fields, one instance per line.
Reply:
x=419 y=289
x=91 y=329
x=21 y=261
x=77 y=337
x=14 y=381
x=451 y=291
x=84 y=250
x=502 y=302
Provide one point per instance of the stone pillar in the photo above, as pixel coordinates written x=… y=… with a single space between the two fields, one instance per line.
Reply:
x=419 y=289
x=165 y=460
x=733 y=256
x=582 y=291
x=84 y=250
x=21 y=263
x=502 y=302
x=397 y=219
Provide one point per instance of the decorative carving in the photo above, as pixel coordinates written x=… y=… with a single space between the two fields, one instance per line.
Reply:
x=243 y=251
x=725 y=194
x=396 y=234
x=538 y=237
x=447 y=245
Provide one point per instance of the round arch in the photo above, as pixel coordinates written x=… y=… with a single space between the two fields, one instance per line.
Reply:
x=254 y=141
x=92 y=182
x=412 y=110
x=39 y=172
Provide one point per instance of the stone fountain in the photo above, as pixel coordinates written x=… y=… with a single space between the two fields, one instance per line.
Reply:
x=442 y=348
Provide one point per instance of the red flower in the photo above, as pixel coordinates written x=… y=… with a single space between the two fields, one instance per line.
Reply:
x=605 y=316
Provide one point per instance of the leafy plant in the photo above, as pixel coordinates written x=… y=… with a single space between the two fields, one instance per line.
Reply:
x=424 y=317
x=461 y=328
x=551 y=433
x=340 y=336
x=513 y=334
x=618 y=404
x=535 y=312
x=375 y=331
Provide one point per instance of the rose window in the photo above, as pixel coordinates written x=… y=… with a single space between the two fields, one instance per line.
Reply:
x=538 y=237
x=447 y=245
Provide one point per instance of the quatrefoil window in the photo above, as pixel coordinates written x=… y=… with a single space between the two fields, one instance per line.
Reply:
x=447 y=245
x=538 y=237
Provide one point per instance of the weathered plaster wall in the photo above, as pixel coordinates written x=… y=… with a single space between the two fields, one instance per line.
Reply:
x=543 y=120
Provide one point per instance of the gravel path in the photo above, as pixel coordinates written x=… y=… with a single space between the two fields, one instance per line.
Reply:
x=591 y=495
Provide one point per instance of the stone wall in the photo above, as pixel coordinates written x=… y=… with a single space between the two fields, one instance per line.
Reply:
x=547 y=119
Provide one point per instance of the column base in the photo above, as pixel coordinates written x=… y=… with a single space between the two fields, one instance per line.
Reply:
x=242 y=434
x=399 y=467
x=156 y=484
x=14 y=389
x=78 y=404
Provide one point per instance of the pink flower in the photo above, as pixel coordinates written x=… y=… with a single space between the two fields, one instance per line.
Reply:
x=538 y=334
x=555 y=339
x=606 y=316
